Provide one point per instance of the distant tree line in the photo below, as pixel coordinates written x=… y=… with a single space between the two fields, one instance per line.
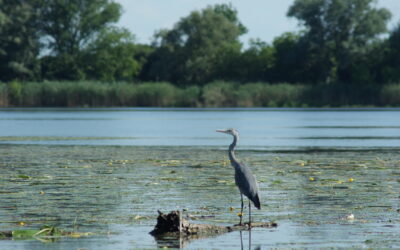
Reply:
x=342 y=41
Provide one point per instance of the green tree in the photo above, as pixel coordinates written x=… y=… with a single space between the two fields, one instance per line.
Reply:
x=257 y=62
x=68 y=27
x=191 y=51
x=19 y=40
x=289 y=58
x=336 y=32
x=390 y=68
x=62 y=67
x=111 y=56
x=143 y=53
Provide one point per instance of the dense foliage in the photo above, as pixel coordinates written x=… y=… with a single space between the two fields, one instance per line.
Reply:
x=338 y=34
x=342 y=42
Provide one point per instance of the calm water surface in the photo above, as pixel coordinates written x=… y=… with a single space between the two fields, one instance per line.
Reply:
x=263 y=128
x=107 y=171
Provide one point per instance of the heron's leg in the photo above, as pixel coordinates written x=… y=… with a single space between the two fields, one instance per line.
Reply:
x=249 y=214
x=241 y=211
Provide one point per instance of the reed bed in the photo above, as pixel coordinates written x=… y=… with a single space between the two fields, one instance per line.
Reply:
x=214 y=94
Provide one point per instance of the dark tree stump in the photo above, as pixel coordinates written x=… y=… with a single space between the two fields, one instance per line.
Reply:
x=167 y=223
x=174 y=224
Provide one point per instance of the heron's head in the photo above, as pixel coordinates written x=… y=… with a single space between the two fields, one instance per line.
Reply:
x=229 y=131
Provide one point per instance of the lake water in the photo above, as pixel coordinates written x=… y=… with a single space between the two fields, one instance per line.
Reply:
x=107 y=171
x=259 y=128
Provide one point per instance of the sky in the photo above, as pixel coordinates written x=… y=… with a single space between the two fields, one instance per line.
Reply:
x=264 y=19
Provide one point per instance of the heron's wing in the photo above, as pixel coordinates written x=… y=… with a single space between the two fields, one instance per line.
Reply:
x=247 y=183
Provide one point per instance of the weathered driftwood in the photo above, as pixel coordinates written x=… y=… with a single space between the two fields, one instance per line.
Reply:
x=174 y=224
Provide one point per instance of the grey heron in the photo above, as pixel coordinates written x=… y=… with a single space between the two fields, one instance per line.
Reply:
x=244 y=178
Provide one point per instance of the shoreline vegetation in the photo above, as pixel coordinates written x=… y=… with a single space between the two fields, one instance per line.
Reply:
x=72 y=54
x=214 y=94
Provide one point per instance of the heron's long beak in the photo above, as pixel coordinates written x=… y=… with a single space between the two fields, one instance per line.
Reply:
x=221 y=131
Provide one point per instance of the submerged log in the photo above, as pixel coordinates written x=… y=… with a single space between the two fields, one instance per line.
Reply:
x=173 y=224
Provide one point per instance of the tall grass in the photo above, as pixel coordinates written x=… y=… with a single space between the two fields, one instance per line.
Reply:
x=3 y=95
x=94 y=94
x=390 y=95
x=220 y=94
x=226 y=94
x=341 y=95
x=158 y=94
x=215 y=94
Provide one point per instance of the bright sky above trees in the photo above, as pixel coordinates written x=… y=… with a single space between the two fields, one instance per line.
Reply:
x=264 y=19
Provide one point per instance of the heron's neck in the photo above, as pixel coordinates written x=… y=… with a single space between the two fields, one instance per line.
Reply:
x=232 y=156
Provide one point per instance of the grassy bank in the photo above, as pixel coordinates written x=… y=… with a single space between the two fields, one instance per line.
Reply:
x=215 y=94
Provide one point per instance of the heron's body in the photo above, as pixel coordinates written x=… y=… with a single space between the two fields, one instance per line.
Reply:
x=244 y=178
